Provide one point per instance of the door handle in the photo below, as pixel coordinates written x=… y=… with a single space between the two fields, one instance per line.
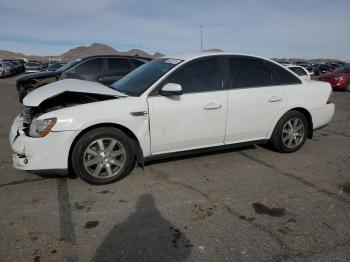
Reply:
x=212 y=106
x=275 y=99
x=101 y=78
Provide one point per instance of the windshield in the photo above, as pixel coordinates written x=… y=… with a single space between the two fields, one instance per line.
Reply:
x=139 y=80
x=69 y=65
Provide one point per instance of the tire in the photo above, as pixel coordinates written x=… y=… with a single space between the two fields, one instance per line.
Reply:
x=97 y=161
x=290 y=132
x=3 y=75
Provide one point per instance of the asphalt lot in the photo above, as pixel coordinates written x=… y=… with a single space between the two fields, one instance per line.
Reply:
x=248 y=204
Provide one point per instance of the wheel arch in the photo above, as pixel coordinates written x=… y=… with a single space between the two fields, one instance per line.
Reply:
x=136 y=144
x=302 y=110
x=308 y=116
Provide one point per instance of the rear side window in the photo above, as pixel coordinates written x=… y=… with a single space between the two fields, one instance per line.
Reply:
x=298 y=70
x=118 y=65
x=249 y=72
x=283 y=76
x=89 y=67
x=200 y=76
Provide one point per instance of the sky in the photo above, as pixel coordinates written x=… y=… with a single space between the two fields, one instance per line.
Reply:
x=271 y=28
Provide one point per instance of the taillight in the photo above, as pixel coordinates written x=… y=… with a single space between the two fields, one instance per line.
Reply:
x=330 y=98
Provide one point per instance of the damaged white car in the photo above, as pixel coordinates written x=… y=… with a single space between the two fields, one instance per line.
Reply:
x=168 y=106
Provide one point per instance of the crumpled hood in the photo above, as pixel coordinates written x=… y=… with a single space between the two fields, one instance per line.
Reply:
x=42 y=93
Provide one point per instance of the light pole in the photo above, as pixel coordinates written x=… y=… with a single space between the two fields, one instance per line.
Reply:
x=201 y=26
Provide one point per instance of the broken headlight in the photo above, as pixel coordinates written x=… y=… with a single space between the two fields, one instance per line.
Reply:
x=41 y=127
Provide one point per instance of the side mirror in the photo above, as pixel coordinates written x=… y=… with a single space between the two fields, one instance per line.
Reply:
x=171 y=89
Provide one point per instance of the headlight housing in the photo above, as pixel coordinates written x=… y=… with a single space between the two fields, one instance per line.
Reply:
x=339 y=78
x=41 y=127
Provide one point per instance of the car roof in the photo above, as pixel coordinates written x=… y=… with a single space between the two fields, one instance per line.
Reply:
x=187 y=57
x=115 y=56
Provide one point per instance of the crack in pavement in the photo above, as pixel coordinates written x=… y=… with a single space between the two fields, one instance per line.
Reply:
x=24 y=181
x=310 y=253
x=289 y=252
x=67 y=230
x=336 y=133
x=298 y=179
x=164 y=177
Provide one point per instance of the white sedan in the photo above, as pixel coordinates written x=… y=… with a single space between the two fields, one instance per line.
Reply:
x=300 y=71
x=172 y=105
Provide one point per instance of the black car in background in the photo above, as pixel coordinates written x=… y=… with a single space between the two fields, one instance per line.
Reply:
x=322 y=69
x=105 y=69
x=54 y=66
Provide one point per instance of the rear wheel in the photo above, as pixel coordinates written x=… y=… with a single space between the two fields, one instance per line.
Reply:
x=102 y=156
x=3 y=74
x=290 y=132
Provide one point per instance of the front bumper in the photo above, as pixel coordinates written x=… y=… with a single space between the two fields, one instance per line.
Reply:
x=46 y=153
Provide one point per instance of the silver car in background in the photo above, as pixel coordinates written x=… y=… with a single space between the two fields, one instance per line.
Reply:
x=33 y=67
x=5 y=69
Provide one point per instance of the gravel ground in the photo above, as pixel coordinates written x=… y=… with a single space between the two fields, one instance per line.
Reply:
x=247 y=204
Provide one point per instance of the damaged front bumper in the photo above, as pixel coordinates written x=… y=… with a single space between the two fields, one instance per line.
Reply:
x=47 y=153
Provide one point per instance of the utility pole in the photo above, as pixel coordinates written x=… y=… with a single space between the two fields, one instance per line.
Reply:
x=201 y=26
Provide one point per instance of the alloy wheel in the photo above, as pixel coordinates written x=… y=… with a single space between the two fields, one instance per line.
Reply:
x=293 y=133
x=104 y=158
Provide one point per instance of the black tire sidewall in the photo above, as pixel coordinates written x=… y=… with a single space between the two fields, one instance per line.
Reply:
x=276 y=138
x=85 y=140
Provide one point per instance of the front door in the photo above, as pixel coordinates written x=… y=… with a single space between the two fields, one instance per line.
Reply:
x=195 y=119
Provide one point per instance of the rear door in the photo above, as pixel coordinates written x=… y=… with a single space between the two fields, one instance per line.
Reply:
x=254 y=99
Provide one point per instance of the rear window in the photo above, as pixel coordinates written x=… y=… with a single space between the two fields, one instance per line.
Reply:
x=298 y=70
x=284 y=77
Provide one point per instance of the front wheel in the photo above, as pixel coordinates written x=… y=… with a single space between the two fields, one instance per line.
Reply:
x=102 y=156
x=290 y=132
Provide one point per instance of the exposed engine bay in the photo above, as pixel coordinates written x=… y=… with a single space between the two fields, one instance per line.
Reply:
x=63 y=100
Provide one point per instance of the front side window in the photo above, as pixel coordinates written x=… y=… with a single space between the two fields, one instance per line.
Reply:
x=90 y=66
x=249 y=72
x=200 y=76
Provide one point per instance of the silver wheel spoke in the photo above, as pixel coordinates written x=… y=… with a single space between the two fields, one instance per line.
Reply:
x=109 y=169
x=111 y=145
x=100 y=144
x=91 y=152
x=117 y=153
x=286 y=138
x=116 y=163
x=91 y=162
x=98 y=169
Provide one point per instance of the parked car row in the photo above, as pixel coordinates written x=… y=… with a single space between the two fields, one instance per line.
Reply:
x=105 y=69
x=11 y=67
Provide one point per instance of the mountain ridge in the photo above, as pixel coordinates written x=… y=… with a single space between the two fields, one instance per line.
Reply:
x=78 y=52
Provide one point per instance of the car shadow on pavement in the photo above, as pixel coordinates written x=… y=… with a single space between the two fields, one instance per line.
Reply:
x=144 y=236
